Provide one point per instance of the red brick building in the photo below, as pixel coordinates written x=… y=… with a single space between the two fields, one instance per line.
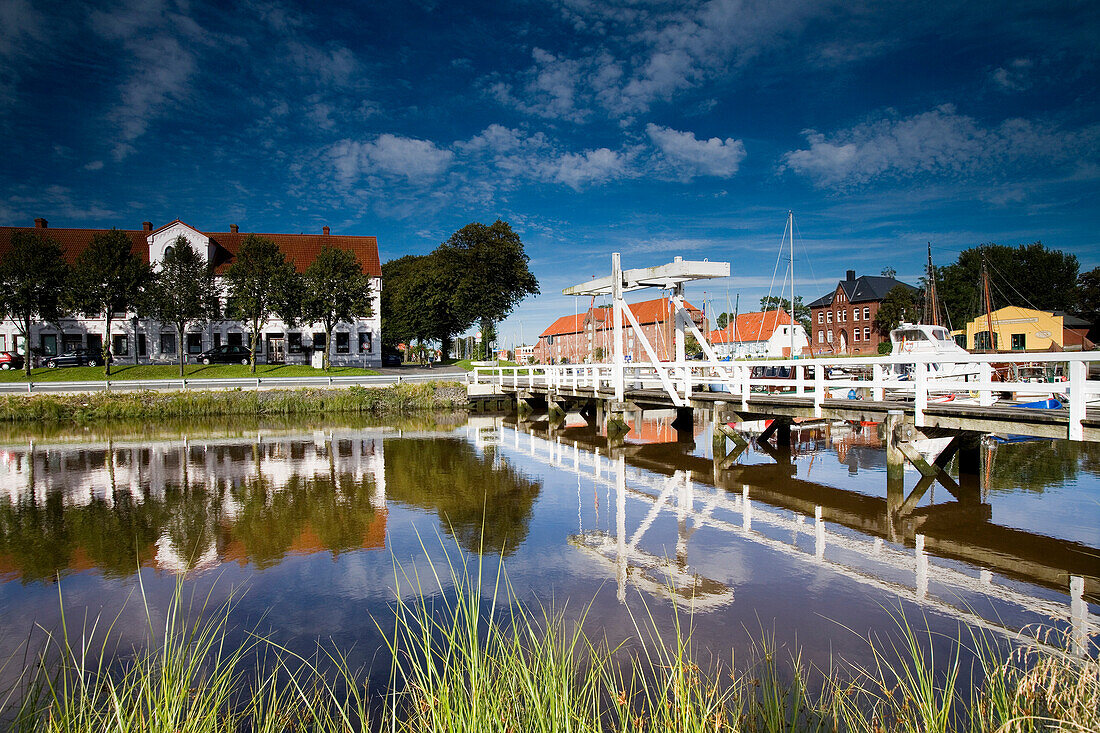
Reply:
x=843 y=321
x=589 y=336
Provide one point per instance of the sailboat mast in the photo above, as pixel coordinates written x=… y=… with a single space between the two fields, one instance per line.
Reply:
x=988 y=305
x=790 y=224
x=931 y=308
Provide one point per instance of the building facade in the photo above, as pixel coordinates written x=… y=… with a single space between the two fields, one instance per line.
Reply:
x=759 y=335
x=1026 y=329
x=145 y=340
x=843 y=321
x=589 y=336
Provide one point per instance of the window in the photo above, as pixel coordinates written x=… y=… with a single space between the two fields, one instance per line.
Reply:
x=1019 y=341
x=168 y=343
x=855 y=314
x=95 y=343
x=71 y=342
x=194 y=343
x=867 y=333
x=294 y=343
x=821 y=337
x=829 y=316
x=867 y=313
x=48 y=342
x=217 y=339
x=829 y=337
x=821 y=316
x=318 y=342
x=981 y=341
x=855 y=334
x=233 y=339
x=343 y=342
x=844 y=315
x=120 y=345
x=366 y=342
x=142 y=347
x=3 y=342
x=20 y=344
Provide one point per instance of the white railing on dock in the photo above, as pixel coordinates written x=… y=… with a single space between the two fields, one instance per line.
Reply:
x=924 y=379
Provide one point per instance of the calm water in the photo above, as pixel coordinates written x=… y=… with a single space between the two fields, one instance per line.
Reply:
x=308 y=521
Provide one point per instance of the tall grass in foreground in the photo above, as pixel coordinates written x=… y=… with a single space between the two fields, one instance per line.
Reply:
x=467 y=656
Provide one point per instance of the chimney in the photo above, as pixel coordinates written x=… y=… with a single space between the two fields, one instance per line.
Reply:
x=851 y=275
x=324 y=230
x=40 y=223
x=233 y=228
x=146 y=226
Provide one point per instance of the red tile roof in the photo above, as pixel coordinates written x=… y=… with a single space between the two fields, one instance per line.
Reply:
x=651 y=311
x=564 y=325
x=301 y=249
x=751 y=327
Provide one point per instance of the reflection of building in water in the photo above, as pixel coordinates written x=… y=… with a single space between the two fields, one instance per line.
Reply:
x=858 y=445
x=222 y=498
x=767 y=513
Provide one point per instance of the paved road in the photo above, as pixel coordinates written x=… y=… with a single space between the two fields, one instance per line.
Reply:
x=388 y=375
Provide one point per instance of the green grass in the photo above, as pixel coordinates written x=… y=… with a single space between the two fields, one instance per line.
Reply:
x=94 y=406
x=172 y=371
x=469 y=656
x=468 y=364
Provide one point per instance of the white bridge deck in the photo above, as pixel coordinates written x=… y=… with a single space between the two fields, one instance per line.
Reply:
x=841 y=388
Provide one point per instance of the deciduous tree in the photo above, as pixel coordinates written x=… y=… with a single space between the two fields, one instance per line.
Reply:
x=335 y=291
x=109 y=278
x=801 y=312
x=261 y=284
x=900 y=304
x=33 y=275
x=184 y=291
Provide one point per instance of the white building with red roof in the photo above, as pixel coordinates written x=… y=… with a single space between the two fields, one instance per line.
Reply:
x=353 y=344
x=762 y=334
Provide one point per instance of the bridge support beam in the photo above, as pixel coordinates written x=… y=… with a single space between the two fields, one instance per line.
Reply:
x=684 y=425
x=781 y=429
x=895 y=459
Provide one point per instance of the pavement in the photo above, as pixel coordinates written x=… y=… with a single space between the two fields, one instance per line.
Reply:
x=412 y=369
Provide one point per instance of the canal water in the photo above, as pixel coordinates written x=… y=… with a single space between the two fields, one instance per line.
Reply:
x=313 y=529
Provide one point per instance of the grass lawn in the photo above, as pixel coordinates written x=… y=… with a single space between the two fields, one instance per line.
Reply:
x=467 y=364
x=171 y=371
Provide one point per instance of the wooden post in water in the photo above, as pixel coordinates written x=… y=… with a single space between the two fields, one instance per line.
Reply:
x=895 y=460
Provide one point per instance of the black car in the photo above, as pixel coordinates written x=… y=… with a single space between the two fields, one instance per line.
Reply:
x=391 y=357
x=224 y=354
x=75 y=357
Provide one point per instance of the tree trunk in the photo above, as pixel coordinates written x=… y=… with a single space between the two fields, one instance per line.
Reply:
x=27 y=346
x=328 y=346
x=105 y=350
x=179 y=331
x=252 y=341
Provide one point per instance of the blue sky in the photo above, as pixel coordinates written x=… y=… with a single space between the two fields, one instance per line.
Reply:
x=647 y=127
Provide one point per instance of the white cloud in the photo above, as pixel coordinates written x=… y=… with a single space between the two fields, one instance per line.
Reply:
x=1013 y=77
x=95 y=165
x=549 y=88
x=939 y=142
x=419 y=161
x=22 y=33
x=162 y=80
x=690 y=157
x=578 y=170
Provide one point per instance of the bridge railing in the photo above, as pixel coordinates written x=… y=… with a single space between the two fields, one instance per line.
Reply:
x=923 y=379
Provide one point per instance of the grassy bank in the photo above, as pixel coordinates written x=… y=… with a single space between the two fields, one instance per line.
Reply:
x=121 y=372
x=82 y=408
x=474 y=660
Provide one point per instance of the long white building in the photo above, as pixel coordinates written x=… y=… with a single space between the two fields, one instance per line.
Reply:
x=353 y=344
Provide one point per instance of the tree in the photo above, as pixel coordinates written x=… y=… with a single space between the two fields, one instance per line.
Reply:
x=262 y=283
x=1088 y=294
x=900 y=304
x=184 y=291
x=801 y=312
x=691 y=346
x=109 y=278
x=33 y=275
x=723 y=320
x=1029 y=275
x=888 y=272
x=490 y=273
x=335 y=290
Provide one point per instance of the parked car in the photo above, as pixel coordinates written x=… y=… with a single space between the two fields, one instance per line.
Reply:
x=224 y=354
x=10 y=360
x=75 y=357
x=391 y=357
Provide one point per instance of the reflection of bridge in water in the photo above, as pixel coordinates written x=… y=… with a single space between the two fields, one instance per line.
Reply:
x=743 y=499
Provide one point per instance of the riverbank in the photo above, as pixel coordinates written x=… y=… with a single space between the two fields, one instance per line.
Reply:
x=466 y=655
x=83 y=408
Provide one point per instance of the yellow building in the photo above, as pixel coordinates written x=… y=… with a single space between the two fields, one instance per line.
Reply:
x=1025 y=329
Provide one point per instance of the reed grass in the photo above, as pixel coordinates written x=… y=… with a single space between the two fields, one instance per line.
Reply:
x=467 y=655
x=83 y=408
